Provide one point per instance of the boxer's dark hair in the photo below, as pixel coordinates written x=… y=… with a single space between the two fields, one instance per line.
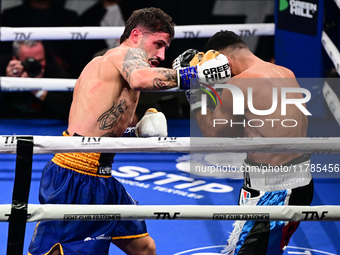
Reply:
x=152 y=19
x=225 y=39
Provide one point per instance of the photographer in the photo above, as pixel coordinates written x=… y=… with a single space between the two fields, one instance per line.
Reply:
x=29 y=60
x=46 y=13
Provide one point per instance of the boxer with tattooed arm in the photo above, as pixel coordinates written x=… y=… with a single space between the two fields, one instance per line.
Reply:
x=105 y=99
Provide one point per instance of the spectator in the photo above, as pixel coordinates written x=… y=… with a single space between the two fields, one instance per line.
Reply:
x=103 y=13
x=29 y=60
x=45 y=13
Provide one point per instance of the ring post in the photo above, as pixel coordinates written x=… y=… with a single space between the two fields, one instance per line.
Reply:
x=22 y=182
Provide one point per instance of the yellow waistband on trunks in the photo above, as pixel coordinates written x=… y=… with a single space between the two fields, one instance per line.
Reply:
x=85 y=163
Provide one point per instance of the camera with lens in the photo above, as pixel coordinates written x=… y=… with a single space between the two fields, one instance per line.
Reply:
x=32 y=67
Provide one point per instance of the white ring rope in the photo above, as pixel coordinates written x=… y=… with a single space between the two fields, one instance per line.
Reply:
x=8 y=84
x=331 y=50
x=55 y=144
x=332 y=101
x=29 y=84
x=87 y=33
x=337 y=3
x=66 y=212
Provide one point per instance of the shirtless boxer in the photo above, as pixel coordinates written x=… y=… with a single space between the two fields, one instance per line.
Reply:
x=104 y=102
x=294 y=187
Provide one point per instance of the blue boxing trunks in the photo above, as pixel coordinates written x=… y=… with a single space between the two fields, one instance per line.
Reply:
x=264 y=185
x=82 y=178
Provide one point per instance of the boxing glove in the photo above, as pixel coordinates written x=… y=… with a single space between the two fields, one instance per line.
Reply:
x=184 y=60
x=193 y=95
x=212 y=68
x=153 y=124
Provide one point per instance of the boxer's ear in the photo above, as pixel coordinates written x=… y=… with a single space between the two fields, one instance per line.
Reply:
x=135 y=35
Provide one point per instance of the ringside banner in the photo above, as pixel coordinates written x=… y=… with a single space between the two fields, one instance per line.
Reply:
x=298 y=29
x=298 y=16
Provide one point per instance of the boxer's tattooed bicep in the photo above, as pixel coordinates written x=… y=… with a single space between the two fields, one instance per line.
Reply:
x=170 y=77
x=134 y=59
x=111 y=117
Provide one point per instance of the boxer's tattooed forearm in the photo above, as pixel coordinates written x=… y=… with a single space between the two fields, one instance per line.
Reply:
x=134 y=59
x=170 y=77
x=158 y=84
x=169 y=74
x=111 y=117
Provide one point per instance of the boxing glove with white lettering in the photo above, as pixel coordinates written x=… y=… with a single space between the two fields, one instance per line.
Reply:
x=213 y=68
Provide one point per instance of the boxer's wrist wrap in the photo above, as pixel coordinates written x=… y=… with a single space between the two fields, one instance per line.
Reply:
x=130 y=132
x=194 y=98
x=188 y=78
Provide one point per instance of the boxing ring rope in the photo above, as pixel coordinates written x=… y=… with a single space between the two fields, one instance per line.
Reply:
x=66 y=212
x=10 y=84
x=89 y=33
x=55 y=144
x=191 y=31
x=332 y=100
x=331 y=50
